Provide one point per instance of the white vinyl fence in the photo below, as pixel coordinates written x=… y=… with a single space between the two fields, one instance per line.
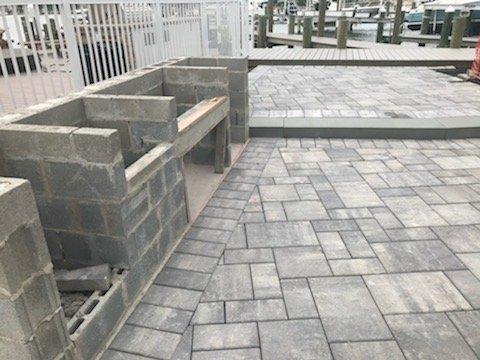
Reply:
x=52 y=47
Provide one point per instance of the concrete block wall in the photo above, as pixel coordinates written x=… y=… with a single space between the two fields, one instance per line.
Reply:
x=142 y=121
x=237 y=69
x=78 y=178
x=32 y=322
x=190 y=85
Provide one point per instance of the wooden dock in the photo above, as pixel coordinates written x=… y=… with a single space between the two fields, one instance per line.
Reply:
x=376 y=56
x=435 y=39
x=322 y=42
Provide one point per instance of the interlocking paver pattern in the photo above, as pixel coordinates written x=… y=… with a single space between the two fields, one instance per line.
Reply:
x=360 y=92
x=321 y=249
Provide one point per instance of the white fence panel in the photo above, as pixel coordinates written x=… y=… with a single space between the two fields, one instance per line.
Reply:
x=53 y=47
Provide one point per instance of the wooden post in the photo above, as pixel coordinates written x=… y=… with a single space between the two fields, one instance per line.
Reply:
x=397 y=25
x=322 y=9
x=270 y=15
x=342 y=32
x=291 y=24
x=220 y=146
x=446 y=27
x=425 y=27
x=262 y=32
x=307 y=32
x=380 y=24
x=458 y=28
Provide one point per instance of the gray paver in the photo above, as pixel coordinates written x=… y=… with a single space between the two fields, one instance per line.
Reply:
x=229 y=282
x=356 y=244
x=280 y=234
x=146 y=342
x=209 y=313
x=357 y=194
x=304 y=261
x=278 y=192
x=429 y=336
x=468 y=324
x=416 y=256
x=266 y=283
x=298 y=299
x=347 y=310
x=182 y=278
x=333 y=246
x=305 y=210
x=371 y=350
x=413 y=211
x=255 y=310
x=472 y=261
x=192 y=262
x=356 y=266
x=160 y=318
x=235 y=354
x=225 y=336
x=239 y=256
x=293 y=339
x=200 y=248
x=172 y=297
x=458 y=214
x=415 y=292
x=460 y=238
x=467 y=284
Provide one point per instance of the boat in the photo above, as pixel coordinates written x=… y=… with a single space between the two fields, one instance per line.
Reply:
x=413 y=19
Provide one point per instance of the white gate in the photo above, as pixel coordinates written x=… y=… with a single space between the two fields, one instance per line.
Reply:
x=53 y=47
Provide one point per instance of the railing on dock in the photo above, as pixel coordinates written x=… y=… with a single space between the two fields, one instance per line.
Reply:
x=53 y=47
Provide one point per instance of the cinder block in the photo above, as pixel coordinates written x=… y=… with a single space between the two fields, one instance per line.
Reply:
x=51 y=337
x=97 y=145
x=184 y=93
x=37 y=141
x=238 y=81
x=195 y=75
x=55 y=213
x=23 y=253
x=199 y=61
x=26 y=169
x=85 y=279
x=130 y=108
x=208 y=92
x=153 y=131
x=233 y=64
x=86 y=181
x=134 y=208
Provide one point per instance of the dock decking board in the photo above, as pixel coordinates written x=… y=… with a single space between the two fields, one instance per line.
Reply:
x=377 y=56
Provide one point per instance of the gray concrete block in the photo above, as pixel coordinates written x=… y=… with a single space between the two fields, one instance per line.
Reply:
x=255 y=310
x=85 y=279
x=209 y=313
x=97 y=145
x=172 y=297
x=160 y=318
x=32 y=170
x=298 y=299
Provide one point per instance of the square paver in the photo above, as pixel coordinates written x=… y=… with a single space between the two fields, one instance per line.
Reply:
x=431 y=336
x=415 y=292
x=225 y=336
x=278 y=192
x=209 y=313
x=413 y=211
x=305 y=210
x=305 y=261
x=229 y=282
x=293 y=339
x=357 y=194
x=347 y=309
x=280 y=234
x=416 y=256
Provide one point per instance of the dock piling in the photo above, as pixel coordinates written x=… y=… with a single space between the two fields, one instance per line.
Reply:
x=262 y=32
x=270 y=15
x=291 y=24
x=446 y=27
x=322 y=9
x=380 y=24
x=458 y=28
x=342 y=32
x=397 y=25
x=307 y=32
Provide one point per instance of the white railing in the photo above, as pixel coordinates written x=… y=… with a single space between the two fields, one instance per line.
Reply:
x=53 y=47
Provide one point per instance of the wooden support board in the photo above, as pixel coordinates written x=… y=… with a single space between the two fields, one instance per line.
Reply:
x=196 y=123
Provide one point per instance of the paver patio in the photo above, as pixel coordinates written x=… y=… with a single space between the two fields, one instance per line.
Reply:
x=325 y=249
